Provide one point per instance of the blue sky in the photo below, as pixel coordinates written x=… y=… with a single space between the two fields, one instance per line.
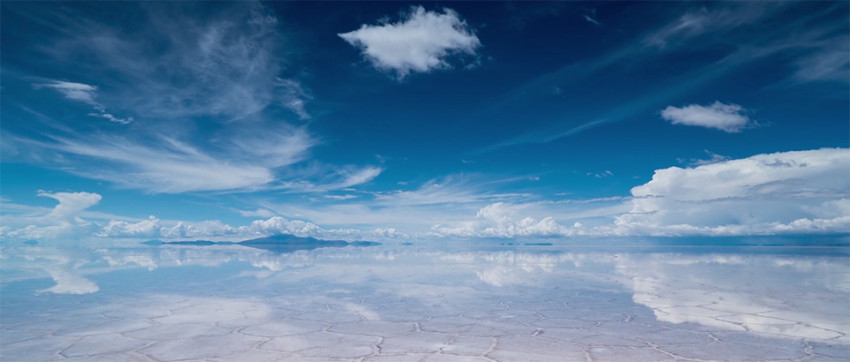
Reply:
x=424 y=120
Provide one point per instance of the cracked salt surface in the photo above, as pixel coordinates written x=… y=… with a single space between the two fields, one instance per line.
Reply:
x=403 y=303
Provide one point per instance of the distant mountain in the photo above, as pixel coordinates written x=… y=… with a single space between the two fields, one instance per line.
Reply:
x=192 y=242
x=281 y=243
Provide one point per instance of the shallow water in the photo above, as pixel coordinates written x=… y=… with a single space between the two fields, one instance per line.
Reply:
x=485 y=301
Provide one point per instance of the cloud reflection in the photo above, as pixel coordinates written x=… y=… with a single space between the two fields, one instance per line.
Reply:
x=771 y=295
x=783 y=296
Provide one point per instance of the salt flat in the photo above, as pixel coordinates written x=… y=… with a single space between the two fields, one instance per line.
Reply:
x=424 y=303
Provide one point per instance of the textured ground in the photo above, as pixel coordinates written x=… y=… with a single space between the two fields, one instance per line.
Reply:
x=381 y=304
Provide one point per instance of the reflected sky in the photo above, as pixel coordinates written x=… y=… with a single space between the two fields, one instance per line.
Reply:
x=473 y=301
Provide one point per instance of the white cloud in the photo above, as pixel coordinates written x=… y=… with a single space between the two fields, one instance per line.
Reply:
x=831 y=63
x=450 y=190
x=226 y=64
x=74 y=91
x=706 y=21
x=452 y=204
x=112 y=118
x=196 y=230
x=293 y=96
x=502 y=220
x=725 y=117
x=169 y=166
x=207 y=105
x=86 y=94
x=786 y=192
x=799 y=192
x=248 y=159
x=356 y=176
x=281 y=146
x=71 y=204
x=713 y=158
x=260 y=212
x=62 y=221
x=420 y=43
x=590 y=16
x=279 y=225
x=218 y=230
x=335 y=179
x=119 y=228
x=341 y=197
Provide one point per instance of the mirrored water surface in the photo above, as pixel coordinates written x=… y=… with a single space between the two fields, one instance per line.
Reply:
x=465 y=301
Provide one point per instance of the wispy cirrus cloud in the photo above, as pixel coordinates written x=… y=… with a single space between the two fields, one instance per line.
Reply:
x=811 y=44
x=74 y=91
x=228 y=65
x=215 y=106
x=83 y=93
x=165 y=166
x=830 y=64
x=697 y=22
x=725 y=117
x=421 y=42
x=322 y=178
x=591 y=17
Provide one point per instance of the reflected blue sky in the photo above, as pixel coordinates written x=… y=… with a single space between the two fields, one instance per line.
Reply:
x=471 y=300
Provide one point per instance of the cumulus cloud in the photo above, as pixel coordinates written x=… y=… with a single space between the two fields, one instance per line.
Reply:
x=119 y=228
x=62 y=221
x=502 y=220
x=218 y=230
x=786 y=192
x=725 y=117
x=71 y=204
x=421 y=42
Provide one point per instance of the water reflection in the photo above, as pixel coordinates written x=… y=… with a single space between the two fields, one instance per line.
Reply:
x=503 y=303
x=785 y=296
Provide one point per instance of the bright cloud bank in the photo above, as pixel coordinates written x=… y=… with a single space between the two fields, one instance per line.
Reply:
x=798 y=192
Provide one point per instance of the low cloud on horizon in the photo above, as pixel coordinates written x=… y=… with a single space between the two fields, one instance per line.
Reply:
x=765 y=194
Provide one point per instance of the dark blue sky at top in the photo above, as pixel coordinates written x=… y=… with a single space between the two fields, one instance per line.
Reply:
x=562 y=99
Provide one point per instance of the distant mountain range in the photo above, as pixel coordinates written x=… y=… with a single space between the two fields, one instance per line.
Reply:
x=281 y=243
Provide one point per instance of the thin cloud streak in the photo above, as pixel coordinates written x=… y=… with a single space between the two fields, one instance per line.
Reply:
x=207 y=106
x=83 y=93
x=665 y=40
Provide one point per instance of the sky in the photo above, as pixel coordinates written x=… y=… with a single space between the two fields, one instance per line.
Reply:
x=433 y=120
